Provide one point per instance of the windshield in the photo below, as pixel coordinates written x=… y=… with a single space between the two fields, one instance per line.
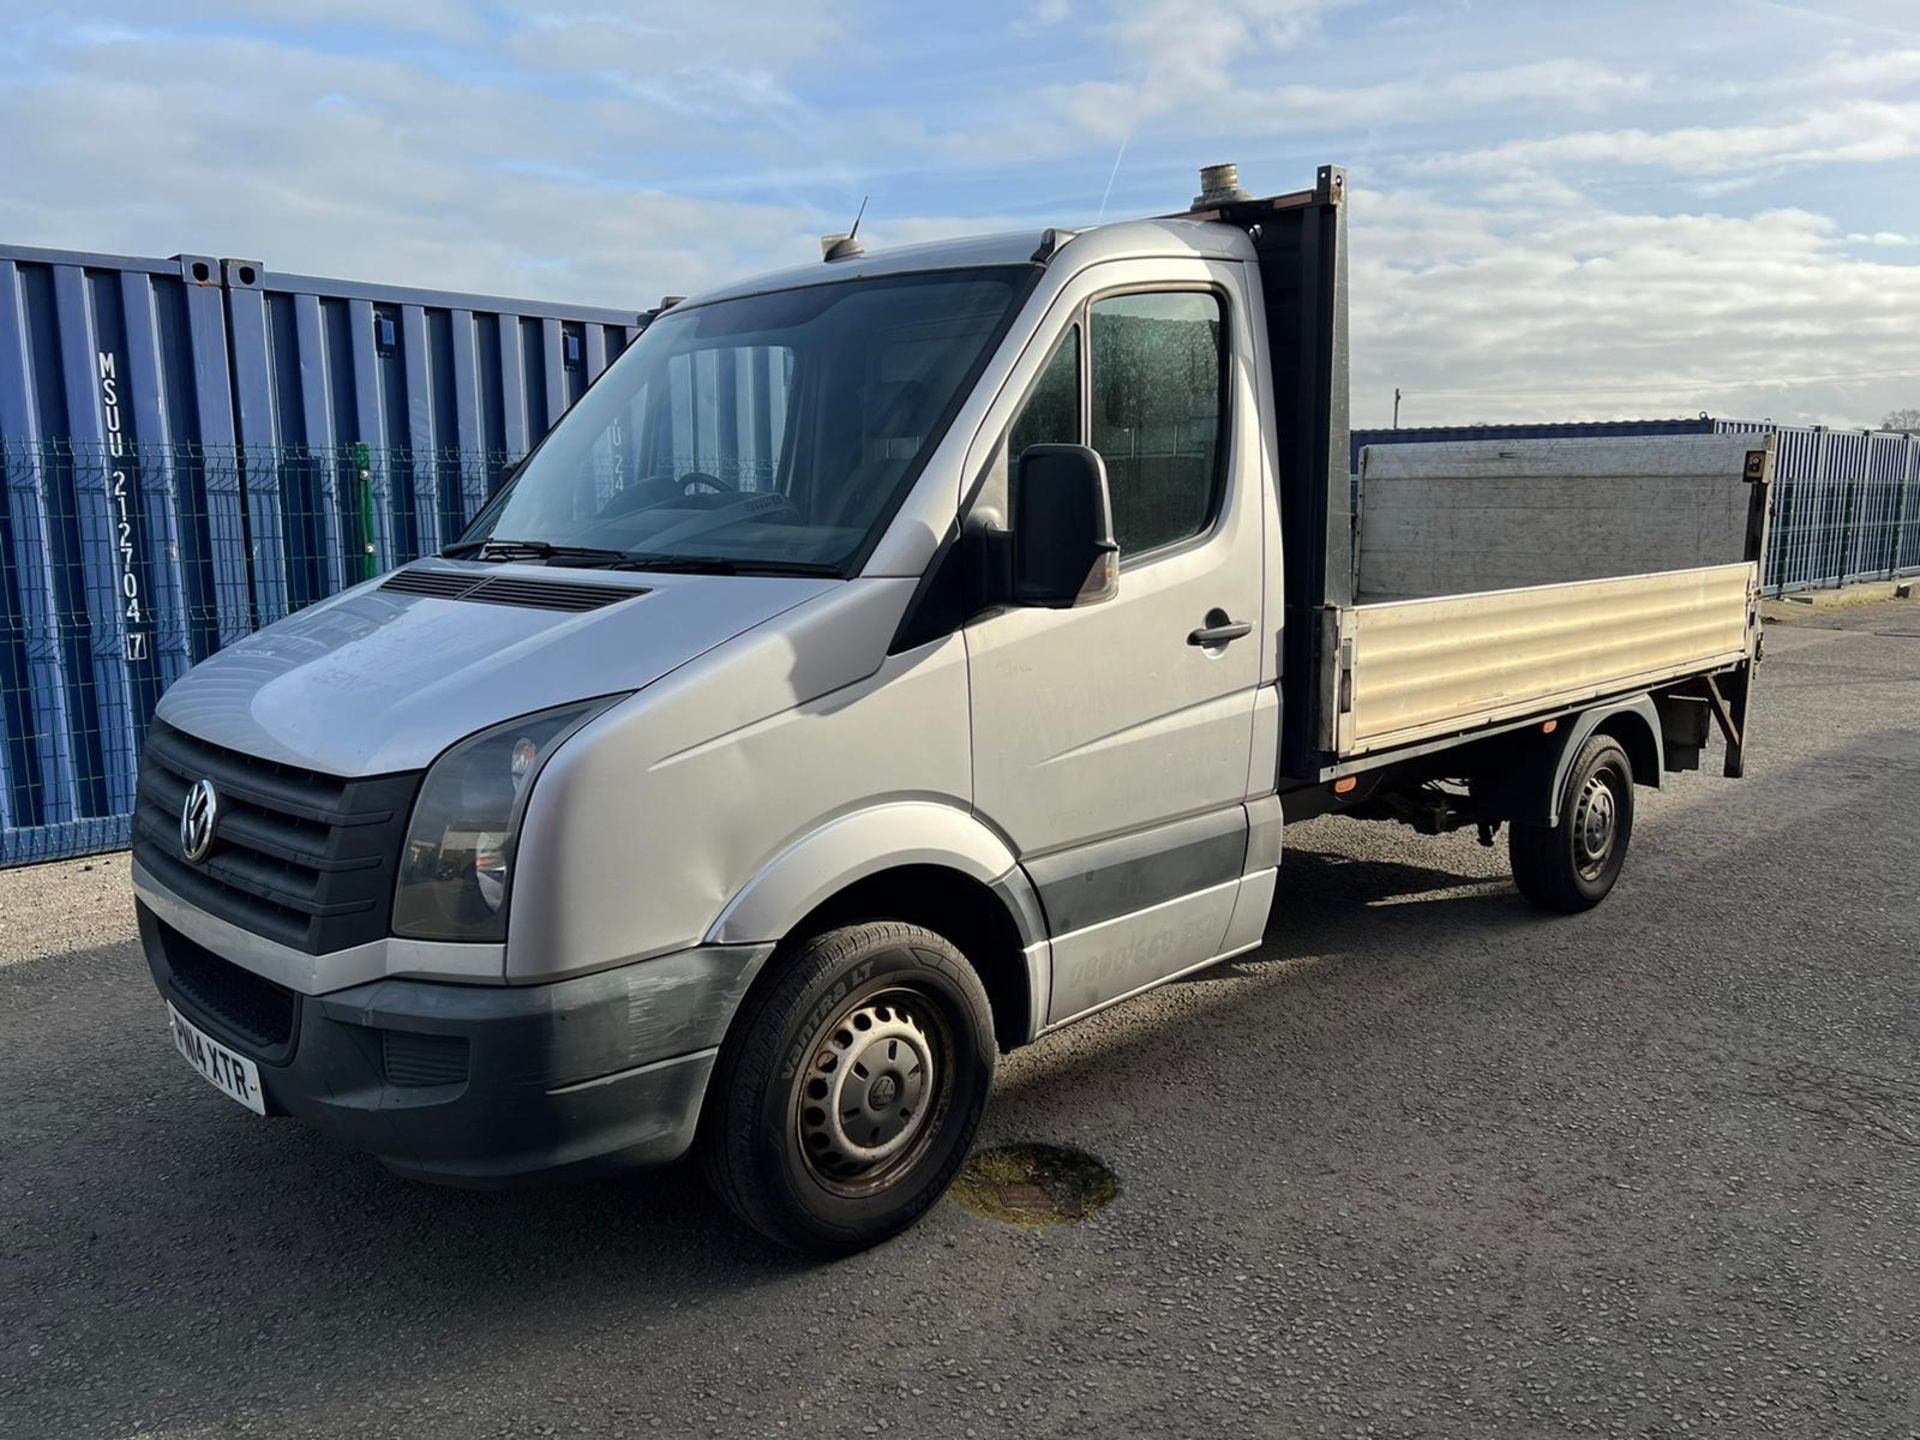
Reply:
x=774 y=431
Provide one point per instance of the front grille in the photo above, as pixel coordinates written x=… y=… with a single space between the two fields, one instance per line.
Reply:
x=254 y=1008
x=521 y=590
x=302 y=858
x=413 y=1059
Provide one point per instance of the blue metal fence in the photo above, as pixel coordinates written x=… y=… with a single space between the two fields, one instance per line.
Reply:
x=1846 y=503
x=192 y=448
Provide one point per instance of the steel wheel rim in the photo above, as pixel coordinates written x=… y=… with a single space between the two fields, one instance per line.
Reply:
x=1596 y=826
x=877 y=1079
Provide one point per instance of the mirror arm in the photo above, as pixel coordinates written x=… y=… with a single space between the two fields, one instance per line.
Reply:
x=992 y=565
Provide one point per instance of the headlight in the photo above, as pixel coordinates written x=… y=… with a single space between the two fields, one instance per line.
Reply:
x=457 y=865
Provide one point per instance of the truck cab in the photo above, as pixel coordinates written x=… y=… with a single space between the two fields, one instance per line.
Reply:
x=885 y=663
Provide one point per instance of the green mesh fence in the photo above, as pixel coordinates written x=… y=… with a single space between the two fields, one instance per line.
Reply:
x=124 y=566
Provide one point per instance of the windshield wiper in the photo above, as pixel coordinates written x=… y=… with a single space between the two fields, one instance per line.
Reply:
x=728 y=565
x=501 y=549
x=537 y=550
x=585 y=555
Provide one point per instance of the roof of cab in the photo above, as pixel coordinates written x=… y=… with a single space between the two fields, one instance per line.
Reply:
x=1126 y=240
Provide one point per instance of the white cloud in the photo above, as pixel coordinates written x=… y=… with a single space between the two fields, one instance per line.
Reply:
x=1046 y=13
x=339 y=164
x=109 y=20
x=1563 y=84
x=1225 y=69
x=1572 y=82
x=666 y=37
x=1850 y=132
x=1587 y=313
x=585 y=150
x=1873 y=70
x=1176 y=53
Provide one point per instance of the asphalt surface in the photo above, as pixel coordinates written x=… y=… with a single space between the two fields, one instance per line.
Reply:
x=1428 y=1164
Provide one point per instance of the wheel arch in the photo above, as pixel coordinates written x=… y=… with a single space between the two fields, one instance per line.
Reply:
x=920 y=862
x=1634 y=723
x=1526 y=783
x=1639 y=735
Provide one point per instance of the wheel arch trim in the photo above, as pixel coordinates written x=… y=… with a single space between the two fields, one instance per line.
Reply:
x=850 y=848
x=1620 y=721
x=1529 y=770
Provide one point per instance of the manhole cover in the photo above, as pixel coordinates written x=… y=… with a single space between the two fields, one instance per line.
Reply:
x=1033 y=1186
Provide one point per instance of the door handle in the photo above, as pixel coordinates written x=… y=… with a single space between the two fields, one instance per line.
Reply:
x=1220 y=629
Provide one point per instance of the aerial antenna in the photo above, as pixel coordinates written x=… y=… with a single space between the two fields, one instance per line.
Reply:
x=1107 y=194
x=847 y=246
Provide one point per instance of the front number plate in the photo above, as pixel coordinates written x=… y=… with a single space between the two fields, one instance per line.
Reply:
x=234 y=1076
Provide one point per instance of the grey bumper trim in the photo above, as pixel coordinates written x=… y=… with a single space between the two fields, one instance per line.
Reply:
x=597 y=1072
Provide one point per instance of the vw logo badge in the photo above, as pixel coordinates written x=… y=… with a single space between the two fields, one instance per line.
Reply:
x=197 y=819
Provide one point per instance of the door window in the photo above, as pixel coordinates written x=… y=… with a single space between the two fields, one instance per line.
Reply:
x=1159 y=410
x=1051 y=415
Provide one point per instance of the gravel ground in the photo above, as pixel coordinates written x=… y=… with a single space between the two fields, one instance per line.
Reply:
x=66 y=905
x=1427 y=1164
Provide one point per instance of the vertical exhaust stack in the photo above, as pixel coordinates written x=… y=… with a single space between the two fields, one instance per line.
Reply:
x=1219 y=185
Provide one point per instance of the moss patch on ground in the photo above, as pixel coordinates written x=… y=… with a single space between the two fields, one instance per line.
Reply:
x=1033 y=1186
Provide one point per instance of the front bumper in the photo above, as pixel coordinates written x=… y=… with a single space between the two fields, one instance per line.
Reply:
x=480 y=1085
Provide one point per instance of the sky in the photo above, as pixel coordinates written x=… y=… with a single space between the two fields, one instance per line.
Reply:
x=1559 y=210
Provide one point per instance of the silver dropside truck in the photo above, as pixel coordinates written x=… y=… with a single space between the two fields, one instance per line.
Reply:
x=887 y=663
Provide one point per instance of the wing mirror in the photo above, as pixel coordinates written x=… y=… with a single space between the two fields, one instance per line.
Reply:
x=1064 y=552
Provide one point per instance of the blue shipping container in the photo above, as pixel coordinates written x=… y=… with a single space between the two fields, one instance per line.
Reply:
x=194 y=447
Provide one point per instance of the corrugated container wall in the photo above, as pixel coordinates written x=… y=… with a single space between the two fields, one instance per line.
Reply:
x=195 y=447
x=1846 y=503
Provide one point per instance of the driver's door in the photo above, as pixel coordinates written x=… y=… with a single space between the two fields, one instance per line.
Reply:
x=1109 y=745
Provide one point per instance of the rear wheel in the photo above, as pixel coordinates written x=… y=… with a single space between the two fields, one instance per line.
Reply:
x=847 y=1096
x=1571 y=865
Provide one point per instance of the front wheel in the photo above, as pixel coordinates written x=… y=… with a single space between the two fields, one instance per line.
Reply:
x=845 y=1099
x=1571 y=865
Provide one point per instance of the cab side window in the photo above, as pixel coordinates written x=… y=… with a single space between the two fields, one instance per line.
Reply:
x=1159 y=409
x=1051 y=415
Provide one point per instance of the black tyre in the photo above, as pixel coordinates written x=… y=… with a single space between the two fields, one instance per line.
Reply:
x=1570 y=866
x=849 y=1091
